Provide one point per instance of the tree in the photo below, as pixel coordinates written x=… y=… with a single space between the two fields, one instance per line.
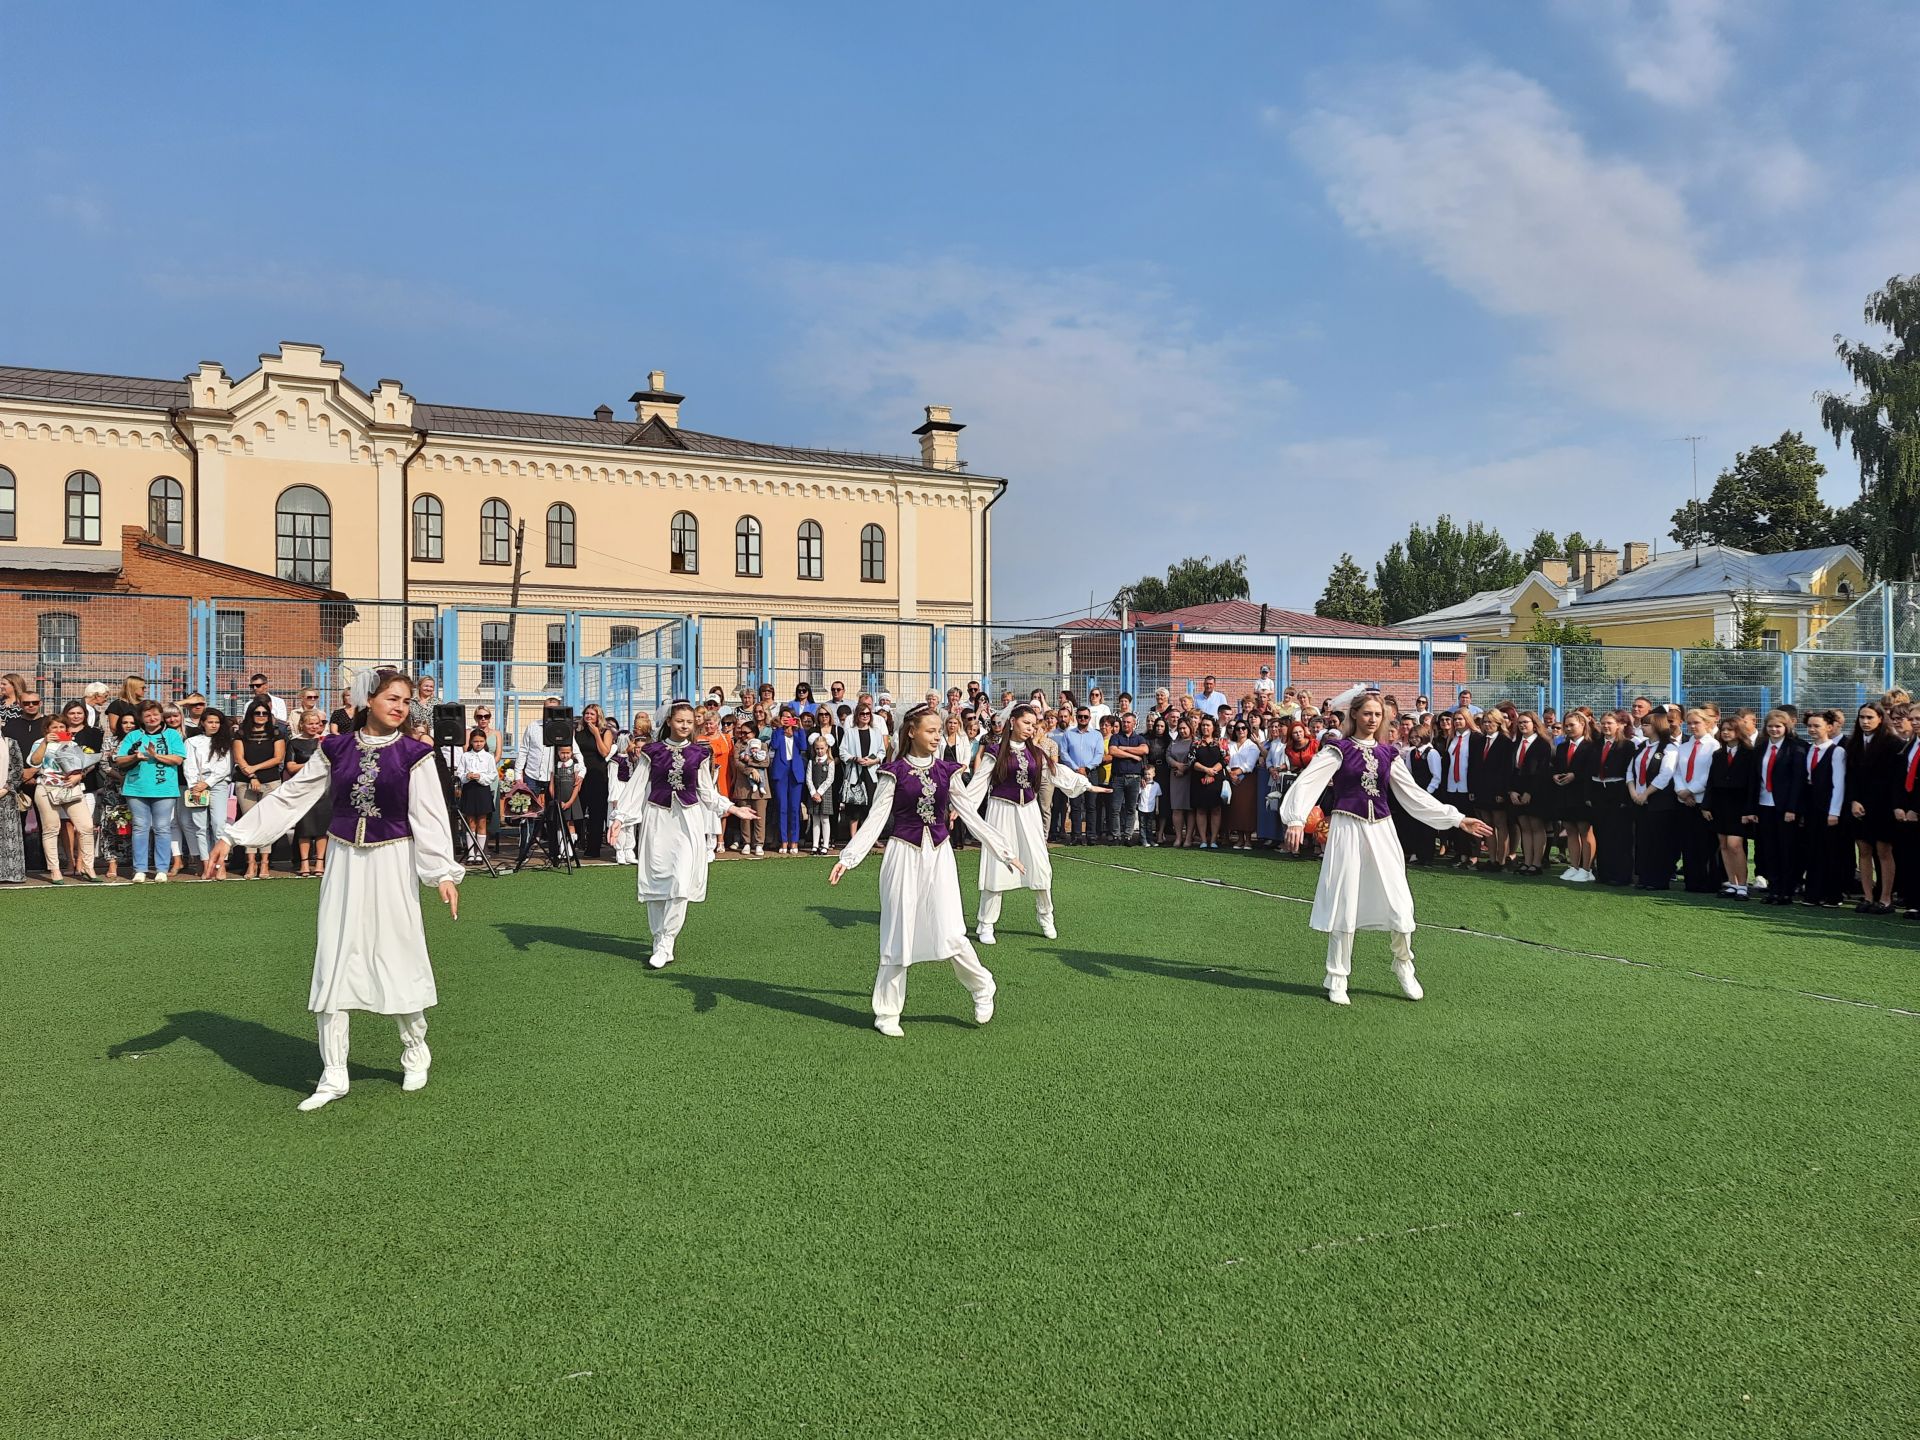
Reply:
x=1883 y=426
x=1749 y=620
x=1545 y=546
x=1189 y=582
x=1442 y=566
x=1348 y=596
x=1576 y=542
x=1767 y=501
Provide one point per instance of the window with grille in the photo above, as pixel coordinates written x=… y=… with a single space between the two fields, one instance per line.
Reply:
x=873 y=553
x=496 y=533
x=685 y=556
x=423 y=646
x=429 y=528
x=59 y=639
x=746 y=648
x=873 y=662
x=560 y=528
x=9 y=505
x=624 y=639
x=494 y=656
x=746 y=546
x=813 y=658
x=83 y=508
x=1769 y=639
x=1482 y=668
x=230 y=639
x=167 y=512
x=556 y=656
x=303 y=536
x=812 y=548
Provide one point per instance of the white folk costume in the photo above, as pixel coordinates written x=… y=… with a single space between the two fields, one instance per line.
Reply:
x=390 y=836
x=1013 y=808
x=921 y=915
x=1363 y=876
x=672 y=807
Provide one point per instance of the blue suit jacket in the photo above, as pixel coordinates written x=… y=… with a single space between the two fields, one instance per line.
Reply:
x=789 y=774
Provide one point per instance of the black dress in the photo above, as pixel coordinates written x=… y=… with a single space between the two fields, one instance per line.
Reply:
x=1730 y=784
x=593 y=791
x=1573 y=801
x=313 y=824
x=1873 y=774
x=1205 y=790
x=1491 y=773
x=1532 y=767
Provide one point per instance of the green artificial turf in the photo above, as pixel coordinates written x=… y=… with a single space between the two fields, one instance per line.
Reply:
x=1623 y=1174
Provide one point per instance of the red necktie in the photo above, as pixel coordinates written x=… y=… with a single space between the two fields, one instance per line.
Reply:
x=1457 y=745
x=1773 y=756
x=1605 y=750
x=1913 y=768
x=1643 y=767
x=1522 y=758
x=1692 y=750
x=1813 y=760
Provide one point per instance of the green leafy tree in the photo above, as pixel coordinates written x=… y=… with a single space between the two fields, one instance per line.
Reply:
x=1442 y=565
x=1348 y=596
x=1749 y=620
x=1883 y=426
x=1544 y=546
x=1576 y=542
x=1192 y=581
x=1767 y=501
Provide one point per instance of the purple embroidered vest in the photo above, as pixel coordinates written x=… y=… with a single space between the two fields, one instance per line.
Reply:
x=920 y=800
x=1022 y=785
x=370 y=787
x=1360 y=785
x=675 y=773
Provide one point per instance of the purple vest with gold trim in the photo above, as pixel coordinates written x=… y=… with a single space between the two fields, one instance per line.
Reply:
x=371 y=785
x=920 y=800
x=1360 y=785
x=1022 y=785
x=675 y=773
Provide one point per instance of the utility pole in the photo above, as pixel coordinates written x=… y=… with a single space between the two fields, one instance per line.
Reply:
x=502 y=681
x=1693 y=444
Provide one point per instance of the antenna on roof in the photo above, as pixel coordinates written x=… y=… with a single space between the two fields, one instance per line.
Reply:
x=1693 y=443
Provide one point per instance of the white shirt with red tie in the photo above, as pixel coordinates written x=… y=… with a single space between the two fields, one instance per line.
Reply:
x=1647 y=774
x=1459 y=763
x=1770 y=757
x=1839 y=772
x=1692 y=765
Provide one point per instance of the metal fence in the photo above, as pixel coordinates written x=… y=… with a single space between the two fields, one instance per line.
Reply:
x=898 y=657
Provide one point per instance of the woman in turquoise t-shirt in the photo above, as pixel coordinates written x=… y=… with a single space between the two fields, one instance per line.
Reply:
x=151 y=758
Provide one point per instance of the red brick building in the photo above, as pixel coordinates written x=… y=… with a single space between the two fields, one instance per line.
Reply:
x=68 y=617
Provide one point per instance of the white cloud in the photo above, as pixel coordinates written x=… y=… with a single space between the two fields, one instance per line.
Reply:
x=1674 y=52
x=84 y=208
x=1481 y=177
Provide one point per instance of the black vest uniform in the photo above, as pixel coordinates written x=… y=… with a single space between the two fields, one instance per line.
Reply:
x=1654 y=823
x=1818 y=856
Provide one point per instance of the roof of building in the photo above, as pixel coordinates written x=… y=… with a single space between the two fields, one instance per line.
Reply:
x=79 y=562
x=1244 y=617
x=74 y=386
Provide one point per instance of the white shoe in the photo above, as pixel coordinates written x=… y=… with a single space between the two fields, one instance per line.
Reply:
x=984 y=933
x=1336 y=988
x=1585 y=877
x=759 y=852
x=322 y=1096
x=983 y=1011
x=1046 y=929
x=140 y=879
x=659 y=959
x=161 y=878
x=890 y=1028
x=1569 y=873
x=1409 y=982
x=413 y=1080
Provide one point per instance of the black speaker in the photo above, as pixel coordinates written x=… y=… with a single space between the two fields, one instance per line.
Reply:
x=450 y=726
x=557 y=727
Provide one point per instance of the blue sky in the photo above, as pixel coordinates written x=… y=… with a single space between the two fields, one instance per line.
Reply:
x=1265 y=278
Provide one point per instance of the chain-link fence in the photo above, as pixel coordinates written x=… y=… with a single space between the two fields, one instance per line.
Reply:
x=1022 y=659
x=60 y=642
x=900 y=658
x=306 y=646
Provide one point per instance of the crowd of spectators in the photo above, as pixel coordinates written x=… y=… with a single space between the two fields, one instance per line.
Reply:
x=121 y=785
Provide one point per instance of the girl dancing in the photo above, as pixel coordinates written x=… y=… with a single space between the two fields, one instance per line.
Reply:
x=920 y=911
x=1363 y=880
x=1012 y=786
x=390 y=835
x=672 y=804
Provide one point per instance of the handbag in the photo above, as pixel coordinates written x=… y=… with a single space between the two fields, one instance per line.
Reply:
x=1226 y=790
x=200 y=802
x=60 y=795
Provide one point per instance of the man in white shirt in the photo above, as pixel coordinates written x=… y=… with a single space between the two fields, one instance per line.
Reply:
x=258 y=684
x=536 y=756
x=1211 y=700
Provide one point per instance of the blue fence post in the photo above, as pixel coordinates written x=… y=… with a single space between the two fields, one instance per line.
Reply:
x=1282 y=662
x=1129 y=662
x=1426 y=669
x=937 y=658
x=1677 y=679
x=690 y=683
x=1786 y=677
x=448 y=643
x=1556 y=680
x=1887 y=635
x=765 y=658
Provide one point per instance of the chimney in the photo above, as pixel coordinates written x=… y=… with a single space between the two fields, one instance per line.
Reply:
x=656 y=399
x=603 y=413
x=1636 y=556
x=1605 y=567
x=1558 y=571
x=940 y=439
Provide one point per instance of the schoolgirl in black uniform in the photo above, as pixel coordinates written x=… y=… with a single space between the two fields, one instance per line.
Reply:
x=1906 y=810
x=1820 y=855
x=1490 y=771
x=1779 y=783
x=1532 y=762
x=1873 y=771
x=1655 y=810
x=1609 y=803
x=1728 y=810
x=1570 y=793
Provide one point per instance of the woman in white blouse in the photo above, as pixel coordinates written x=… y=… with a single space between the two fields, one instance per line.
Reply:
x=209 y=781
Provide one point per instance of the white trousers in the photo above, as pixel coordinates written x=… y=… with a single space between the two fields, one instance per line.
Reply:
x=890 y=985
x=414 y=1055
x=990 y=905
x=664 y=919
x=1340 y=952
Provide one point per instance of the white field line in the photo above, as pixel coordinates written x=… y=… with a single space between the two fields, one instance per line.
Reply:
x=1512 y=940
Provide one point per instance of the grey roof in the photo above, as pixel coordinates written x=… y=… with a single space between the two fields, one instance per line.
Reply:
x=1721 y=569
x=29 y=557
x=24 y=382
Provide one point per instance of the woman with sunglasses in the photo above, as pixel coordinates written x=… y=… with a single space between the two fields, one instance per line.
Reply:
x=260 y=757
x=864 y=748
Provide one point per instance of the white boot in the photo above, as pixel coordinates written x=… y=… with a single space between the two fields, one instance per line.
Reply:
x=332 y=1025
x=1339 y=966
x=889 y=1028
x=983 y=1011
x=1336 y=988
x=1046 y=928
x=1403 y=967
x=415 y=1058
x=985 y=932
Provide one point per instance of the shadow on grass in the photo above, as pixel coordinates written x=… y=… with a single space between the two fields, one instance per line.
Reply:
x=257 y=1051
x=707 y=990
x=1103 y=966
x=841 y=918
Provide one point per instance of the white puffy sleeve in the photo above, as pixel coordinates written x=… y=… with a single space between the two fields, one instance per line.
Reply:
x=966 y=809
x=277 y=812
x=868 y=835
x=1412 y=797
x=710 y=796
x=1305 y=792
x=1070 y=782
x=627 y=800
x=433 y=858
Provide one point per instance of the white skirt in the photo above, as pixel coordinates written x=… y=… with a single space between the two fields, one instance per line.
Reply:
x=920 y=914
x=1363 y=879
x=675 y=847
x=372 y=947
x=1021 y=825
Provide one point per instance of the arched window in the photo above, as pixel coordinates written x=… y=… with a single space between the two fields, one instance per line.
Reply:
x=429 y=528
x=746 y=546
x=873 y=553
x=9 y=500
x=303 y=536
x=496 y=533
x=83 y=508
x=560 y=535
x=685 y=556
x=812 y=567
x=167 y=512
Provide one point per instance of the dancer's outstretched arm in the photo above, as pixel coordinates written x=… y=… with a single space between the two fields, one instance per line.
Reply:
x=276 y=813
x=868 y=835
x=1305 y=792
x=1412 y=798
x=966 y=811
